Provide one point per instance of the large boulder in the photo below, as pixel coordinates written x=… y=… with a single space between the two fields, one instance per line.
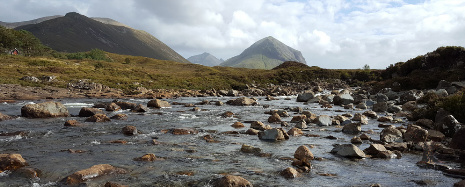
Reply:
x=87 y=112
x=303 y=153
x=92 y=172
x=5 y=117
x=232 y=181
x=374 y=149
x=458 y=140
x=323 y=120
x=448 y=125
x=415 y=134
x=410 y=96
x=158 y=104
x=273 y=134
x=126 y=105
x=44 y=110
x=343 y=99
x=348 y=150
x=380 y=107
x=11 y=162
x=352 y=128
x=391 y=134
x=425 y=123
x=305 y=96
x=243 y=101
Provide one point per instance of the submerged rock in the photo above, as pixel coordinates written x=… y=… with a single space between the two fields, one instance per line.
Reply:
x=289 y=173
x=92 y=172
x=250 y=149
x=44 y=110
x=232 y=181
x=147 y=157
x=348 y=150
x=98 y=118
x=184 y=131
x=72 y=123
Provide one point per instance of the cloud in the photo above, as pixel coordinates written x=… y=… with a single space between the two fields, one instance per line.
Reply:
x=330 y=34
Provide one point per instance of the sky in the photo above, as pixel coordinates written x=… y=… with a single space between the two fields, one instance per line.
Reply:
x=335 y=34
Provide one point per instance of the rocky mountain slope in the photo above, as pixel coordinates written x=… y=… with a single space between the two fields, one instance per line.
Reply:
x=205 y=59
x=34 y=21
x=77 y=33
x=266 y=53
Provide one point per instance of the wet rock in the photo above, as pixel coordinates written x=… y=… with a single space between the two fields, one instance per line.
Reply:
x=352 y=128
x=237 y=125
x=113 y=184
x=385 y=155
x=426 y=123
x=44 y=110
x=284 y=124
x=92 y=172
x=305 y=96
x=16 y=133
x=72 y=123
x=342 y=120
x=303 y=153
x=301 y=125
x=360 y=117
x=232 y=181
x=274 y=134
x=184 y=131
x=309 y=116
x=275 y=118
x=349 y=106
x=4 y=117
x=129 y=130
x=397 y=146
x=409 y=106
x=259 y=126
x=243 y=101
x=219 y=103
x=436 y=136
x=227 y=114
x=28 y=172
x=385 y=119
x=410 y=95
x=458 y=140
x=362 y=106
x=295 y=132
x=120 y=117
x=415 y=134
x=371 y=114
x=380 y=107
x=381 y=98
x=448 y=125
x=460 y=183
x=365 y=137
x=391 y=134
x=374 y=149
x=140 y=108
x=348 y=150
x=112 y=107
x=250 y=149
x=126 y=105
x=87 y=112
x=298 y=118
x=157 y=103
x=147 y=158
x=323 y=120
x=11 y=162
x=356 y=140
x=252 y=131
x=394 y=109
x=98 y=118
x=343 y=99
x=289 y=173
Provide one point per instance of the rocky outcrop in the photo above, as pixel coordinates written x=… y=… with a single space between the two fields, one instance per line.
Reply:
x=232 y=181
x=158 y=104
x=92 y=172
x=11 y=162
x=44 y=110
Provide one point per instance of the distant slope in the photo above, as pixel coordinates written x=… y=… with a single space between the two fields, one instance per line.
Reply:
x=77 y=33
x=266 y=53
x=34 y=21
x=205 y=59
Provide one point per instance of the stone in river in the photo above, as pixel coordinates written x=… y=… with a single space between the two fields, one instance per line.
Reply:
x=272 y=134
x=11 y=162
x=98 y=118
x=323 y=120
x=303 y=153
x=44 y=110
x=158 y=104
x=289 y=173
x=129 y=130
x=348 y=150
x=232 y=181
x=87 y=112
x=92 y=172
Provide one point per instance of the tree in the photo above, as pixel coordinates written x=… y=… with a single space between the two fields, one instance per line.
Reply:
x=366 y=67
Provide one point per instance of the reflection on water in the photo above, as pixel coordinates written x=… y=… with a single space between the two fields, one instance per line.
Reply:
x=47 y=146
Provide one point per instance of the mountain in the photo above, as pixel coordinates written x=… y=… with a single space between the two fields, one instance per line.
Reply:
x=266 y=53
x=77 y=33
x=34 y=21
x=205 y=59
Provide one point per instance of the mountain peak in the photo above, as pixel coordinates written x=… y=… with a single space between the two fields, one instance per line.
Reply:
x=205 y=59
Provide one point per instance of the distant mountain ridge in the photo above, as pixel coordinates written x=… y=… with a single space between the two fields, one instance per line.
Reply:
x=34 y=21
x=76 y=33
x=266 y=53
x=205 y=59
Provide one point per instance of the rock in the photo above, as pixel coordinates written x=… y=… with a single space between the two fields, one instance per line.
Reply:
x=92 y=172
x=410 y=95
x=360 y=117
x=380 y=107
x=352 y=128
x=126 y=105
x=371 y=114
x=156 y=103
x=385 y=119
x=274 y=134
x=394 y=109
x=301 y=125
x=436 y=136
x=4 y=117
x=343 y=99
x=87 y=112
x=237 y=125
x=219 y=103
x=356 y=140
x=259 y=126
x=129 y=130
x=374 y=149
x=426 y=123
x=252 y=131
x=113 y=184
x=227 y=114
x=303 y=153
x=458 y=140
x=243 y=101
x=232 y=93
x=295 y=132
x=385 y=155
x=391 y=134
x=298 y=118
x=397 y=146
x=98 y=118
x=147 y=157
x=365 y=137
x=28 y=172
x=289 y=173
x=120 y=117
x=409 y=106
x=348 y=150
x=342 y=120
x=11 y=162
x=323 y=120
x=381 y=98
x=112 y=107
x=275 y=118
x=362 y=106
x=250 y=149
x=140 y=108
x=232 y=181
x=184 y=131
x=44 y=110
x=309 y=116
x=72 y=123
x=415 y=134
x=448 y=125
x=305 y=96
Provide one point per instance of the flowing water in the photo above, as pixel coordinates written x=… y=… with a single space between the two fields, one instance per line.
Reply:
x=47 y=141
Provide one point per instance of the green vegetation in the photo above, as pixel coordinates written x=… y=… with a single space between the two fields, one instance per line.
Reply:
x=24 y=41
x=455 y=104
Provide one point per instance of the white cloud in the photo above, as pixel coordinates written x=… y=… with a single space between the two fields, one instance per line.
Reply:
x=330 y=34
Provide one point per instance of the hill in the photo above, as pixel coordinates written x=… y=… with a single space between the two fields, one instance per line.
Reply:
x=78 y=33
x=266 y=53
x=205 y=59
x=34 y=21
